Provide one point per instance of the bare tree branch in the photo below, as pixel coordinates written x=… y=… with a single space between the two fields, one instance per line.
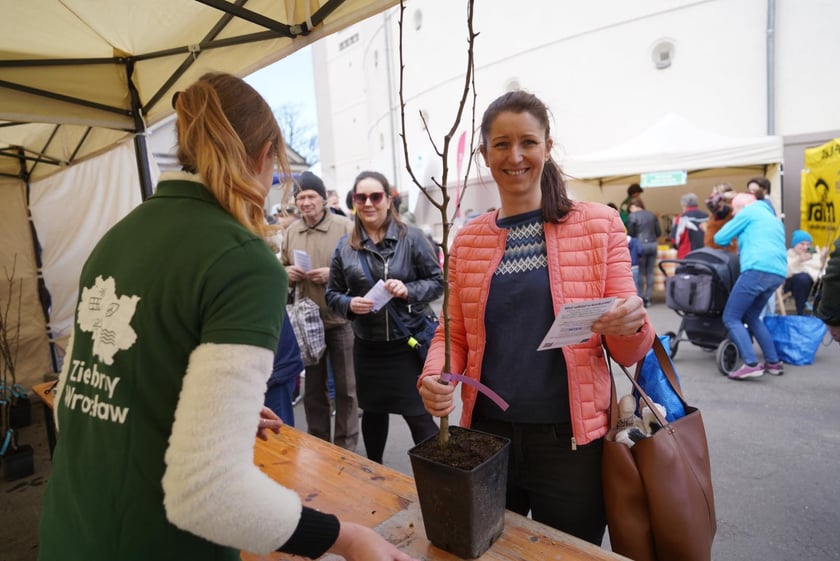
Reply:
x=9 y=345
x=298 y=133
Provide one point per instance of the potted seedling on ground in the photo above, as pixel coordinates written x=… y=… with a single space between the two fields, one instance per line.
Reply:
x=15 y=407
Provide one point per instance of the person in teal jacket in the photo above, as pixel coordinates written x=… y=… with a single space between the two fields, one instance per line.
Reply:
x=761 y=246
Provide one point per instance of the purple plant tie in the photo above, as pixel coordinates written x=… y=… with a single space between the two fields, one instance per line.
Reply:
x=497 y=399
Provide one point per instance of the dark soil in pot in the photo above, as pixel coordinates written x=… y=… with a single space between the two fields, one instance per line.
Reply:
x=466 y=449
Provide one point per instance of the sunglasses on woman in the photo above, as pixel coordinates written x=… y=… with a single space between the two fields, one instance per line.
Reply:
x=362 y=198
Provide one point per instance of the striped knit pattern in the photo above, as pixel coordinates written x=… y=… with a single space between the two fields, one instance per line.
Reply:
x=524 y=249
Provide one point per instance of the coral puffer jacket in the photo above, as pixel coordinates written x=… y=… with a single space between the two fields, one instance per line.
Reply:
x=587 y=259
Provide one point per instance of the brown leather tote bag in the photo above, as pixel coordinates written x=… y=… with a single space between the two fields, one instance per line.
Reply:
x=658 y=494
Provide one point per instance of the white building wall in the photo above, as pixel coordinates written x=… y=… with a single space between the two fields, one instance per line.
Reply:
x=807 y=77
x=590 y=62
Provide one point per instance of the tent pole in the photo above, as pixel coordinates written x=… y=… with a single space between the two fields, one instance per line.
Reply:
x=43 y=294
x=771 y=67
x=140 y=151
x=142 y=154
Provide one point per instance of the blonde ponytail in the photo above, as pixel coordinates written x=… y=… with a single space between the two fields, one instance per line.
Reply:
x=223 y=124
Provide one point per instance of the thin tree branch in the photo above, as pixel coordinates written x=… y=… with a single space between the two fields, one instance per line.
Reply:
x=442 y=184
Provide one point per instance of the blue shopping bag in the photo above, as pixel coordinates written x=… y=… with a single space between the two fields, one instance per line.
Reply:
x=797 y=338
x=656 y=385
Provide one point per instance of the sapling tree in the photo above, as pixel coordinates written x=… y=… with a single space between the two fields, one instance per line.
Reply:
x=9 y=344
x=441 y=198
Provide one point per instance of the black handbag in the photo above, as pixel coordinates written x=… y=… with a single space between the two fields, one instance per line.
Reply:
x=421 y=339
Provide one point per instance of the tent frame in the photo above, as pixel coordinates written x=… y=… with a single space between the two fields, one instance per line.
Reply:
x=231 y=11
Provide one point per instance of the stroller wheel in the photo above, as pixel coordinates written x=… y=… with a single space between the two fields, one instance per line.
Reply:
x=727 y=356
x=673 y=343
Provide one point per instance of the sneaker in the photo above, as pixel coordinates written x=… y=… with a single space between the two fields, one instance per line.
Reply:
x=747 y=371
x=774 y=368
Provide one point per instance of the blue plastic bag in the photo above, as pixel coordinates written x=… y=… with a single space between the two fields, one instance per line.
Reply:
x=797 y=338
x=656 y=385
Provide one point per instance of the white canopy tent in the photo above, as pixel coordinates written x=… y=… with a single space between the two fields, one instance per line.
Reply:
x=672 y=143
x=80 y=83
x=675 y=144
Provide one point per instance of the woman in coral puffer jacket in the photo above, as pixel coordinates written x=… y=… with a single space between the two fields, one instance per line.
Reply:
x=510 y=272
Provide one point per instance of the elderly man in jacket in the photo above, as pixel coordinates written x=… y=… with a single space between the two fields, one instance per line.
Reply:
x=317 y=233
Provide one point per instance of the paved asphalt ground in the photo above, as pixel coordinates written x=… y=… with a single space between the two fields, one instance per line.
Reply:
x=774 y=444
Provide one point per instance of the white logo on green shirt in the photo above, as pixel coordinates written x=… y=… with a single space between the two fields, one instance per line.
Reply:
x=107 y=317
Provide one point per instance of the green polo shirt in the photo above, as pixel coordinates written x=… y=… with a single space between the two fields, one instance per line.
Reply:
x=176 y=272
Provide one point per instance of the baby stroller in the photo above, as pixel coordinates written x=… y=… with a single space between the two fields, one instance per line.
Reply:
x=697 y=290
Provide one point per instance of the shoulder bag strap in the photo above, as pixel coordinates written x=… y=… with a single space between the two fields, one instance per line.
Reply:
x=667 y=368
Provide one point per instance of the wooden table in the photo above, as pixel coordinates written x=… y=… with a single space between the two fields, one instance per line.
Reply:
x=355 y=489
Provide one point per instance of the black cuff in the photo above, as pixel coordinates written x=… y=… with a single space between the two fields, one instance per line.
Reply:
x=316 y=532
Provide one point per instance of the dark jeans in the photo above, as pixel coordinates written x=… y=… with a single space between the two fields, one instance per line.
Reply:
x=278 y=398
x=560 y=487
x=799 y=285
x=644 y=280
x=747 y=300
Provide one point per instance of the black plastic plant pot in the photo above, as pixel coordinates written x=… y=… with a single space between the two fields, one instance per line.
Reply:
x=18 y=463
x=463 y=509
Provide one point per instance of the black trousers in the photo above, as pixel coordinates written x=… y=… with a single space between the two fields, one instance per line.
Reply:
x=559 y=486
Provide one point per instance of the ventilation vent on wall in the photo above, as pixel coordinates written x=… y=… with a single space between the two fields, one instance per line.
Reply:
x=662 y=53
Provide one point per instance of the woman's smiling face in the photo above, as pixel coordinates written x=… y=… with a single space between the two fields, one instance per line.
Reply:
x=372 y=214
x=516 y=150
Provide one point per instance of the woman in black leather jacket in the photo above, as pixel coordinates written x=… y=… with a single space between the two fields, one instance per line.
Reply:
x=401 y=256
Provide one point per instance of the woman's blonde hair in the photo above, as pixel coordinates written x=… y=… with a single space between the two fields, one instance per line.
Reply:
x=223 y=124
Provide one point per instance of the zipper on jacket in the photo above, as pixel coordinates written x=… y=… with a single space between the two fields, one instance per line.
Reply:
x=387 y=315
x=574 y=444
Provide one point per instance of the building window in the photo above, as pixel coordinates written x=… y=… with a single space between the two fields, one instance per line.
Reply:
x=349 y=41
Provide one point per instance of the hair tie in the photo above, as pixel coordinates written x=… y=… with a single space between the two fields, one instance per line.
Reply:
x=175 y=99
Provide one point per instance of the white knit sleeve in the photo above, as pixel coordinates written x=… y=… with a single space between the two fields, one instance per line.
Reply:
x=211 y=486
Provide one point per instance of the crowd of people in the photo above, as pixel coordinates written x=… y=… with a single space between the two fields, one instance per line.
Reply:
x=768 y=266
x=203 y=323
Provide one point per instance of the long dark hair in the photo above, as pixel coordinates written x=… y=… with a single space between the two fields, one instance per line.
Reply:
x=392 y=216
x=555 y=202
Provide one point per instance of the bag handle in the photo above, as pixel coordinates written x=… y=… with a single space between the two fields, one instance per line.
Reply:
x=667 y=368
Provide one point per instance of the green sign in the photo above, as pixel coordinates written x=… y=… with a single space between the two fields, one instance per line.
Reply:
x=664 y=178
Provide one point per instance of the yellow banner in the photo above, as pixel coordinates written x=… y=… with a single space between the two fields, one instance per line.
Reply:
x=821 y=192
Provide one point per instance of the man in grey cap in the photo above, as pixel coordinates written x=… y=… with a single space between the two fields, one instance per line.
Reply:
x=317 y=233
